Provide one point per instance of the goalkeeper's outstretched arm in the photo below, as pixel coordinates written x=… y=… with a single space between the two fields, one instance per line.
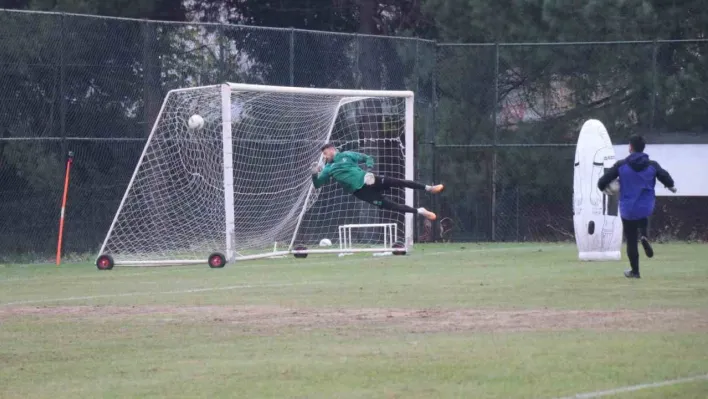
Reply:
x=320 y=176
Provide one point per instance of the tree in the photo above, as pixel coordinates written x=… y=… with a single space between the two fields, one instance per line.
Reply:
x=321 y=60
x=79 y=77
x=630 y=87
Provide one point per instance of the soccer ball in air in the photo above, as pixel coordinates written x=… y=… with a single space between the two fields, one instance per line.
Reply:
x=196 y=122
x=325 y=242
x=613 y=188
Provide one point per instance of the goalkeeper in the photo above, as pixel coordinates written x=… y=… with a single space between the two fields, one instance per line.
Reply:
x=344 y=168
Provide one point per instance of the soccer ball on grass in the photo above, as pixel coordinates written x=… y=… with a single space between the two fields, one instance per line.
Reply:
x=325 y=242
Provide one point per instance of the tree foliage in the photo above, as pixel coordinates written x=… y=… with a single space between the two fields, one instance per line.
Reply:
x=71 y=76
x=100 y=78
x=541 y=94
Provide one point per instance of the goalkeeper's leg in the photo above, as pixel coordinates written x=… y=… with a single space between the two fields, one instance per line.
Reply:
x=388 y=182
x=375 y=197
x=387 y=204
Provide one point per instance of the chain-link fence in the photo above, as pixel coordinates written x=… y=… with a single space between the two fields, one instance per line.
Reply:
x=496 y=123
x=508 y=118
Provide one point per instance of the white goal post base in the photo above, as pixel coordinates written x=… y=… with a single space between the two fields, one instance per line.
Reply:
x=389 y=233
x=599 y=256
x=276 y=255
x=337 y=251
x=240 y=181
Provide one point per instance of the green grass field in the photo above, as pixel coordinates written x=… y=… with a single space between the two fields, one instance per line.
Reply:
x=453 y=321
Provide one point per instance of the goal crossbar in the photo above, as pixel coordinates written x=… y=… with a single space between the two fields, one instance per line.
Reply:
x=320 y=91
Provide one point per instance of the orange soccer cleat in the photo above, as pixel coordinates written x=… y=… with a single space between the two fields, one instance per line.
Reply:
x=436 y=189
x=427 y=214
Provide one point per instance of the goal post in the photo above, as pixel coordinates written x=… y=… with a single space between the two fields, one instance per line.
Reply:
x=409 y=167
x=228 y=166
x=239 y=184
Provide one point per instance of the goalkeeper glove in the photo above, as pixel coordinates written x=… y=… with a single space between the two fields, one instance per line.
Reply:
x=672 y=189
x=369 y=179
x=315 y=168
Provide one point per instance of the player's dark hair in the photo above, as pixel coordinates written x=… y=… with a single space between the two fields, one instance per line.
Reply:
x=637 y=142
x=326 y=146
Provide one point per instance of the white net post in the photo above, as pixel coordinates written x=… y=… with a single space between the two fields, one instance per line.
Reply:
x=241 y=183
x=410 y=168
x=228 y=166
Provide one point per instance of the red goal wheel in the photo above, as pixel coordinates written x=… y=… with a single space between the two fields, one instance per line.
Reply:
x=300 y=255
x=104 y=262
x=217 y=260
x=399 y=248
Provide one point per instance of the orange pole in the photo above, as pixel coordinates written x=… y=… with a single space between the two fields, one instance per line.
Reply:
x=69 y=161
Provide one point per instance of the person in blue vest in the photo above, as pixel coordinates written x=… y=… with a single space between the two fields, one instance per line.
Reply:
x=637 y=176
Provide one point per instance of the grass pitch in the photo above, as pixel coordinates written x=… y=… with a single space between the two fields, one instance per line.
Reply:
x=453 y=321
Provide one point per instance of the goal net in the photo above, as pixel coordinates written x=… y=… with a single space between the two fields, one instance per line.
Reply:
x=241 y=183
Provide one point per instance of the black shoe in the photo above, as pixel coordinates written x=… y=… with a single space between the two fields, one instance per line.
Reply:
x=631 y=274
x=647 y=247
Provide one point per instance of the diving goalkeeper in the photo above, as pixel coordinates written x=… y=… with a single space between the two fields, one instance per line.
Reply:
x=344 y=168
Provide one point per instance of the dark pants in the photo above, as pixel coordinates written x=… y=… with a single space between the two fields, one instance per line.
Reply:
x=633 y=231
x=373 y=194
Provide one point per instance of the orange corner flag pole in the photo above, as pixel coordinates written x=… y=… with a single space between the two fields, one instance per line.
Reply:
x=69 y=161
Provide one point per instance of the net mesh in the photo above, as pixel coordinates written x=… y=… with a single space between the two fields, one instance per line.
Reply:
x=175 y=207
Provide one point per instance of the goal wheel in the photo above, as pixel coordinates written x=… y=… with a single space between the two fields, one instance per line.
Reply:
x=104 y=262
x=399 y=248
x=217 y=260
x=300 y=248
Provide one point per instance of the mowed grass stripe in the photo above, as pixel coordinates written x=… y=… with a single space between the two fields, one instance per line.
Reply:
x=522 y=276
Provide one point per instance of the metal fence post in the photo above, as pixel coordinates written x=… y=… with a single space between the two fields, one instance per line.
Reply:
x=495 y=142
x=62 y=82
x=416 y=73
x=654 y=94
x=223 y=69
x=147 y=71
x=292 y=56
x=62 y=105
x=357 y=50
x=654 y=83
x=433 y=135
x=517 y=213
x=416 y=67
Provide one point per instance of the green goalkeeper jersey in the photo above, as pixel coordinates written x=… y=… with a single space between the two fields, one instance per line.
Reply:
x=345 y=170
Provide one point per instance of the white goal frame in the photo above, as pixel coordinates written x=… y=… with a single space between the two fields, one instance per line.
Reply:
x=390 y=234
x=230 y=249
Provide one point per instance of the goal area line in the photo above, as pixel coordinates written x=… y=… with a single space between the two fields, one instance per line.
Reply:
x=638 y=387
